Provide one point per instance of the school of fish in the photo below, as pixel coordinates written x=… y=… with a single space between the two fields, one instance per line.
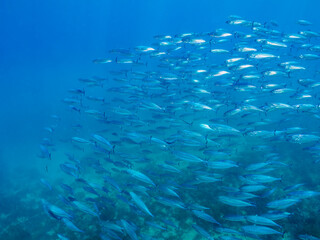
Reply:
x=194 y=136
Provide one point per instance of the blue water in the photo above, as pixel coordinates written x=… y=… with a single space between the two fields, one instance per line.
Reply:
x=45 y=46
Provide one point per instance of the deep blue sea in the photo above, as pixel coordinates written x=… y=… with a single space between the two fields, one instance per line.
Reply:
x=178 y=136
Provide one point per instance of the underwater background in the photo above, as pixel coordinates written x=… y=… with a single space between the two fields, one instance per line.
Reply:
x=46 y=46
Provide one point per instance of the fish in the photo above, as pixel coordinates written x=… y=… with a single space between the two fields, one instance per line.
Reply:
x=45 y=153
x=46 y=183
x=203 y=232
x=80 y=140
x=82 y=207
x=61 y=237
x=140 y=176
x=140 y=203
x=307 y=237
x=103 y=141
x=205 y=216
x=187 y=157
x=129 y=229
x=234 y=202
x=259 y=220
x=186 y=128
x=55 y=211
x=70 y=225
x=259 y=230
x=283 y=203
